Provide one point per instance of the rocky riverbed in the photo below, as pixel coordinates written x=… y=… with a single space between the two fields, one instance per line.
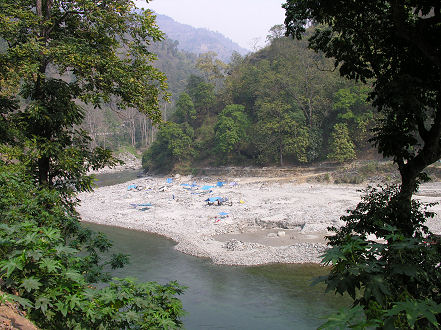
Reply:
x=261 y=220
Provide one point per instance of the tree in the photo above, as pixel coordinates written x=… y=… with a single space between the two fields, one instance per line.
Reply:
x=279 y=133
x=213 y=68
x=341 y=148
x=356 y=112
x=231 y=129
x=185 y=111
x=58 y=52
x=396 y=45
x=173 y=145
x=276 y=32
x=202 y=95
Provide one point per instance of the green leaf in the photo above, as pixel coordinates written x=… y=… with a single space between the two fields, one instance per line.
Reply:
x=377 y=288
x=51 y=233
x=73 y=301
x=35 y=254
x=25 y=303
x=415 y=309
x=50 y=265
x=30 y=284
x=65 y=250
x=62 y=307
x=42 y=303
x=74 y=276
x=405 y=269
x=11 y=265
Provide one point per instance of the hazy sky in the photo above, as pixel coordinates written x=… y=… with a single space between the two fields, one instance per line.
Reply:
x=244 y=21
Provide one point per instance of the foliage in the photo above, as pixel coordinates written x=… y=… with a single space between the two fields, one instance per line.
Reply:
x=185 y=111
x=394 y=44
x=176 y=64
x=341 y=148
x=356 y=112
x=287 y=72
x=279 y=133
x=60 y=57
x=60 y=52
x=46 y=275
x=397 y=281
x=212 y=68
x=173 y=145
x=205 y=138
x=202 y=94
x=290 y=96
x=231 y=129
x=49 y=262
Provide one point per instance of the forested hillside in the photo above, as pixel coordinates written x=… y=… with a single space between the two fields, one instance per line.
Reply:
x=198 y=40
x=284 y=104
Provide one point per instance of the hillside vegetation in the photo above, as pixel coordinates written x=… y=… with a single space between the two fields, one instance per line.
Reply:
x=284 y=104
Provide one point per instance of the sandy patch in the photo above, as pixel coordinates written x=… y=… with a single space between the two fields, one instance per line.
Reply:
x=264 y=221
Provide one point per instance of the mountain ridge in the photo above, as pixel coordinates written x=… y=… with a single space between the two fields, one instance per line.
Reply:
x=198 y=40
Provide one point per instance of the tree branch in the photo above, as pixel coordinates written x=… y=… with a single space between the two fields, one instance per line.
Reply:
x=61 y=19
x=398 y=12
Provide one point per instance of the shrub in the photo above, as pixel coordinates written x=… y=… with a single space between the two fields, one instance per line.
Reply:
x=49 y=264
x=395 y=280
x=341 y=148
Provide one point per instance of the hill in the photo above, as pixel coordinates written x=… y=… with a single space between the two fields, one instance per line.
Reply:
x=199 y=40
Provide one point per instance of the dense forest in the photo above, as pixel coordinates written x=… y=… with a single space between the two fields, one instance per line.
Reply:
x=284 y=104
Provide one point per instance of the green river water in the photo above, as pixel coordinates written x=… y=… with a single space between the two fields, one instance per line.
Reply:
x=225 y=297
x=277 y=296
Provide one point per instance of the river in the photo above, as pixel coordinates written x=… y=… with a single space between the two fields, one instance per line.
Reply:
x=225 y=297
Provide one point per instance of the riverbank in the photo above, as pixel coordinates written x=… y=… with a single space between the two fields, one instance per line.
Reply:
x=264 y=220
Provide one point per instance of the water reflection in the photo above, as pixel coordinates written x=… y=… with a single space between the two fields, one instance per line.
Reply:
x=110 y=179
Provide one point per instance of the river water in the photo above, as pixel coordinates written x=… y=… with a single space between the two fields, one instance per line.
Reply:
x=226 y=297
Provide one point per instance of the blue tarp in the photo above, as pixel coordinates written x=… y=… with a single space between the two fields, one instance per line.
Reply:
x=169 y=180
x=213 y=199
x=132 y=186
x=189 y=185
x=223 y=213
x=220 y=183
x=143 y=204
x=207 y=187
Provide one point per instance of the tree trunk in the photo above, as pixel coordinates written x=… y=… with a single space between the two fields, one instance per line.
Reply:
x=281 y=156
x=43 y=171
